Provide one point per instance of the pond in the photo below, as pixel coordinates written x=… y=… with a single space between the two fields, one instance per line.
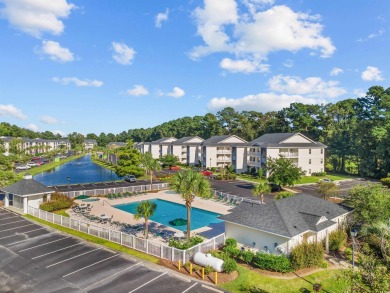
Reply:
x=81 y=170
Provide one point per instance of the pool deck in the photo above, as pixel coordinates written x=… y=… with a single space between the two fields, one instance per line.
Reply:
x=105 y=206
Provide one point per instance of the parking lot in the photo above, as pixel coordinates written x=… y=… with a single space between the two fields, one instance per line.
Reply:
x=37 y=259
x=344 y=186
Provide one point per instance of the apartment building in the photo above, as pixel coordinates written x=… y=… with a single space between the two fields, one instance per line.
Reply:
x=187 y=149
x=89 y=144
x=304 y=152
x=157 y=148
x=36 y=145
x=225 y=150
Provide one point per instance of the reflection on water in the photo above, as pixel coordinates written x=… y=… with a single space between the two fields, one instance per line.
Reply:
x=81 y=170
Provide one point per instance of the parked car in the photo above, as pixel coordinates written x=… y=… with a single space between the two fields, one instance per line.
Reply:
x=174 y=168
x=32 y=164
x=206 y=173
x=36 y=159
x=329 y=180
x=22 y=167
x=39 y=163
x=130 y=178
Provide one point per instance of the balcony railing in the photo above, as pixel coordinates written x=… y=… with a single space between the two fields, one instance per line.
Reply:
x=224 y=151
x=253 y=163
x=223 y=159
x=289 y=155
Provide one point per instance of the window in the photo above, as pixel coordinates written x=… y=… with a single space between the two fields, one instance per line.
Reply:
x=309 y=171
x=322 y=151
x=322 y=161
x=309 y=161
x=309 y=151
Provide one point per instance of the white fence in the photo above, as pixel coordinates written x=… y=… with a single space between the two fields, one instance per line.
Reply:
x=157 y=249
x=104 y=191
x=231 y=198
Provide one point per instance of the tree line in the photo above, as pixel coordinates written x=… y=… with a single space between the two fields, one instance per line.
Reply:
x=356 y=130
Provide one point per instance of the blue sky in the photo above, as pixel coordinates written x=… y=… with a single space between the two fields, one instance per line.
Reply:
x=108 y=66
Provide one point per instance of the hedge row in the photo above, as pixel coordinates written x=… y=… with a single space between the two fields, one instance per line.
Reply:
x=57 y=202
x=386 y=181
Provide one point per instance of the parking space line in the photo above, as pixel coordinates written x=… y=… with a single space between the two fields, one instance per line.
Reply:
x=90 y=265
x=17 y=227
x=56 y=250
x=148 y=282
x=109 y=277
x=13 y=222
x=52 y=265
x=43 y=244
x=31 y=231
x=186 y=290
x=17 y=242
x=1 y=219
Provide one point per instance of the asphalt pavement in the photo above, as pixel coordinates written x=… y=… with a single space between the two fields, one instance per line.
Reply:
x=34 y=258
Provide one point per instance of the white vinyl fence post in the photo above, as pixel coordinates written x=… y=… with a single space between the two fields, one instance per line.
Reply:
x=121 y=238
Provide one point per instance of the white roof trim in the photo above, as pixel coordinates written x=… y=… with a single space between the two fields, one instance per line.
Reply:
x=300 y=135
x=284 y=236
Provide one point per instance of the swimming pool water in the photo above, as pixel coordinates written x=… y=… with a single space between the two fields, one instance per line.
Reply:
x=167 y=211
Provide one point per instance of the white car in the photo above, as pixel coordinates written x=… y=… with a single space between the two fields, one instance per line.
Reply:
x=22 y=167
x=330 y=180
x=31 y=164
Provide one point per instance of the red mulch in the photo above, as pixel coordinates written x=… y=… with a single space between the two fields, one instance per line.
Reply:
x=222 y=277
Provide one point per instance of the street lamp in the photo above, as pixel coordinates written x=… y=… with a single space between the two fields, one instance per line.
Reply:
x=210 y=163
x=353 y=235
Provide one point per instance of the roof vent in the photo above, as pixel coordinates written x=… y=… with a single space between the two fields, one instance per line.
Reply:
x=27 y=176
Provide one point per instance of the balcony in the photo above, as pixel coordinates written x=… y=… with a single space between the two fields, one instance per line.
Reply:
x=224 y=151
x=289 y=155
x=253 y=164
x=254 y=154
x=223 y=159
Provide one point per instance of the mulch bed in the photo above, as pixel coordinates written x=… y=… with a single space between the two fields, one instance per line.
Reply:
x=222 y=277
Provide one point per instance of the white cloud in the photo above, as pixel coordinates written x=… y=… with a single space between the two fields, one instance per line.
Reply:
x=161 y=17
x=138 y=90
x=310 y=87
x=224 y=29
x=63 y=134
x=175 y=93
x=11 y=110
x=78 y=82
x=359 y=92
x=123 y=54
x=32 y=127
x=289 y=63
x=48 y=120
x=372 y=36
x=335 y=71
x=244 y=65
x=372 y=73
x=262 y=102
x=36 y=17
x=56 y=52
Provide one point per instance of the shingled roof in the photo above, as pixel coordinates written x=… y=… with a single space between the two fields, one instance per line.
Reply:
x=277 y=140
x=186 y=139
x=219 y=141
x=287 y=217
x=27 y=187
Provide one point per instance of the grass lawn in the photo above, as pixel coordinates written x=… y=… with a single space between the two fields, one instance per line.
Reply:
x=62 y=213
x=97 y=240
x=329 y=279
x=103 y=164
x=48 y=166
x=316 y=179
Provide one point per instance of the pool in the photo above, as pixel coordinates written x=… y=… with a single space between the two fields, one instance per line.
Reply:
x=90 y=199
x=167 y=211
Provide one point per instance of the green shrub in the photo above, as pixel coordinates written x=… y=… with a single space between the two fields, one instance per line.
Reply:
x=247 y=256
x=231 y=242
x=337 y=240
x=307 y=255
x=272 y=262
x=231 y=251
x=284 y=194
x=386 y=181
x=208 y=270
x=213 y=169
x=229 y=265
x=348 y=253
x=318 y=174
x=57 y=202
x=184 y=244
x=218 y=177
x=220 y=254
x=324 y=265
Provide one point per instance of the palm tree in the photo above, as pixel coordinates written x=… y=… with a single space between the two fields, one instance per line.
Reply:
x=150 y=165
x=260 y=189
x=190 y=184
x=145 y=210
